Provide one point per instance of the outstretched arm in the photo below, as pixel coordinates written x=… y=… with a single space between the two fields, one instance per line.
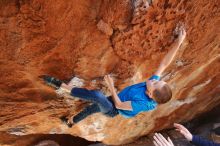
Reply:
x=196 y=140
x=171 y=54
x=118 y=104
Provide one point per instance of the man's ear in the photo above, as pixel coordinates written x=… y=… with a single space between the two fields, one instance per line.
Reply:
x=149 y=94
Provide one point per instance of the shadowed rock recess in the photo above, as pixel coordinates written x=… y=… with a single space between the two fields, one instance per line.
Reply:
x=91 y=38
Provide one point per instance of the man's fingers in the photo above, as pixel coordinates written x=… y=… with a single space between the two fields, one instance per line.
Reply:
x=181 y=131
x=183 y=31
x=183 y=128
x=157 y=140
x=106 y=76
x=177 y=130
x=185 y=134
x=106 y=80
x=160 y=139
x=170 y=141
x=155 y=143
x=163 y=139
x=181 y=26
x=178 y=126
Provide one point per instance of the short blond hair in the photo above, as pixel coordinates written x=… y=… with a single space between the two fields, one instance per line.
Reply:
x=163 y=94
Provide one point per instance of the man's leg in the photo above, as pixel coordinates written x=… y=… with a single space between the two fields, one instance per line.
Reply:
x=90 y=95
x=94 y=96
x=89 y=110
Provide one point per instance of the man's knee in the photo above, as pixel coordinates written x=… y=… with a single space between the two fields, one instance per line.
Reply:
x=78 y=91
x=98 y=94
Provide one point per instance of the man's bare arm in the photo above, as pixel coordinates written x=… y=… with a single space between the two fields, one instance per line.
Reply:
x=118 y=104
x=171 y=54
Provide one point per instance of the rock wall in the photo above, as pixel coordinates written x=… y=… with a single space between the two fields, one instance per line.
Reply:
x=91 y=38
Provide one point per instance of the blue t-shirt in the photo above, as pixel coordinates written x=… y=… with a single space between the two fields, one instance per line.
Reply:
x=140 y=101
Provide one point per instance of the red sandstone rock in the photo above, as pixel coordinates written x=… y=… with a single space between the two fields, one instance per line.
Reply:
x=62 y=39
x=104 y=27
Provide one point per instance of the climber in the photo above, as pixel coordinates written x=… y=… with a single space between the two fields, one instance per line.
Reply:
x=130 y=101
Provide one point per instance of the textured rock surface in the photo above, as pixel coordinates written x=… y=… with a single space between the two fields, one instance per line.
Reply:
x=201 y=125
x=65 y=39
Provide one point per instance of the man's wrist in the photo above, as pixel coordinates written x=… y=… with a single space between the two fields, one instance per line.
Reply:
x=110 y=87
x=179 y=40
x=190 y=137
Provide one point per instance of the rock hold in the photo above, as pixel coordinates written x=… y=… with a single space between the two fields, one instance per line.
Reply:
x=105 y=28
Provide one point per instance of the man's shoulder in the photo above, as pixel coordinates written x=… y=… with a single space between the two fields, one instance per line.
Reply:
x=138 y=85
x=155 y=77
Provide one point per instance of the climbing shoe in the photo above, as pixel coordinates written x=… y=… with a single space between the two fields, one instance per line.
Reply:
x=51 y=81
x=66 y=121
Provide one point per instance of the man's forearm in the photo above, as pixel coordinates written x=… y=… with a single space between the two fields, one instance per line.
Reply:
x=116 y=99
x=126 y=105
x=171 y=54
x=120 y=105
